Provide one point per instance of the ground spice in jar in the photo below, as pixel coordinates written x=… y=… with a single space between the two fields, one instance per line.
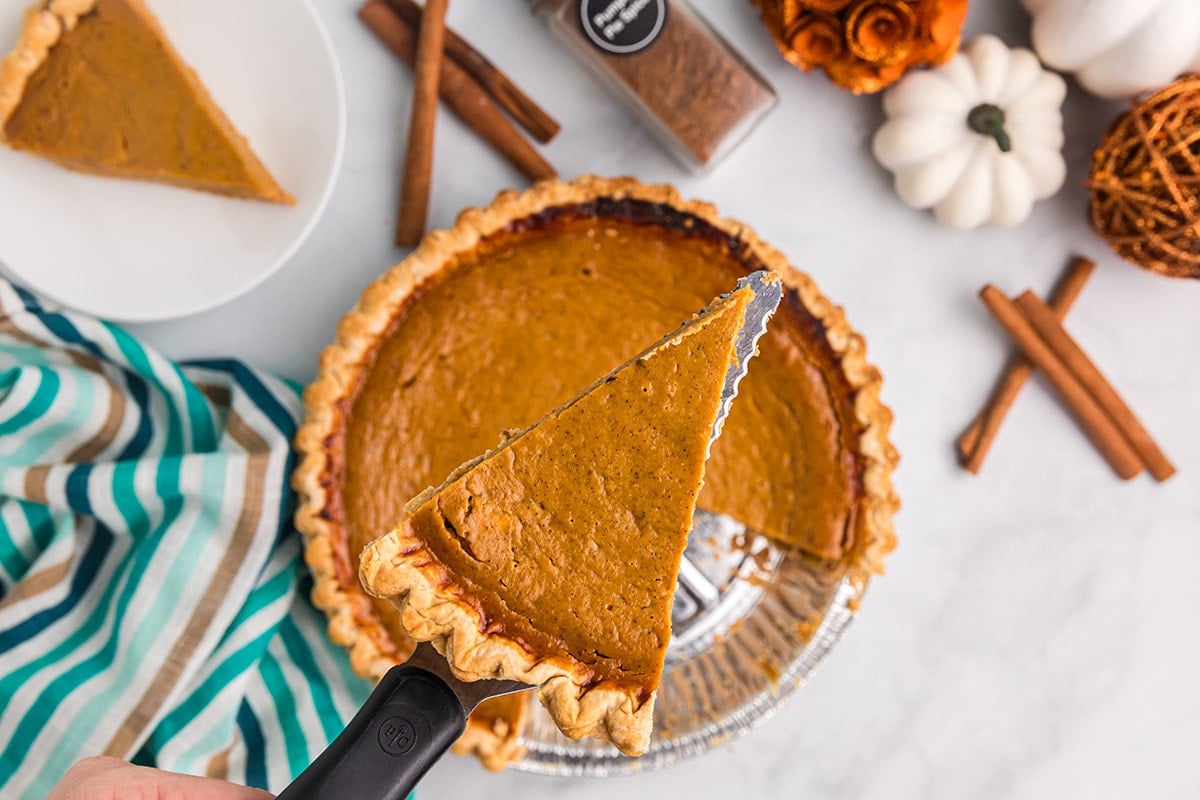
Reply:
x=668 y=64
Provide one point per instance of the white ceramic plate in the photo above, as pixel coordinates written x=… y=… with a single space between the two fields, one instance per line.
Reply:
x=134 y=251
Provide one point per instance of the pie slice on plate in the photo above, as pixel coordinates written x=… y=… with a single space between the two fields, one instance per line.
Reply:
x=553 y=558
x=96 y=86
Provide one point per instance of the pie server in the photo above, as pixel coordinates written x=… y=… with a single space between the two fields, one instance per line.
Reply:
x=419 y=708
x=408 y=723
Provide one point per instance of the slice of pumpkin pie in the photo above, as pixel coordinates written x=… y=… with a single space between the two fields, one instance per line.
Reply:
x=96 y=86
x=553 y=558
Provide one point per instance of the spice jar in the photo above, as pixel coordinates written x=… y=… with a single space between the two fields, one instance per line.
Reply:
x=691 y=88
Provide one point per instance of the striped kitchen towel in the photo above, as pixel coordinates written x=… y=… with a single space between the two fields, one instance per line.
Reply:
x=151 y=597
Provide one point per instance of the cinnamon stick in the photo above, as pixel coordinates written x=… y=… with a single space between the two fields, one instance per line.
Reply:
x=418 y=157
x=1071 y=354
x=1103 y=432
x=976 y=440
x=507 y=94
x=464 y=97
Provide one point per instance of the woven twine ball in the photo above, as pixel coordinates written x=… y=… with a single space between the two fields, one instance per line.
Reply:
x=1145 y=182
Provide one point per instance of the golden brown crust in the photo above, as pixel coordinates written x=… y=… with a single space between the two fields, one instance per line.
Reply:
x=494 y=741
x=45 y=23
x=343 y=360
x=401 y=568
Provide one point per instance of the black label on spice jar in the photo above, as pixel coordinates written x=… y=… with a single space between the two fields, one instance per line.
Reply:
x=622 y=26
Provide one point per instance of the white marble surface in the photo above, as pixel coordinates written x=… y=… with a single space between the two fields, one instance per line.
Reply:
x=1036 y=634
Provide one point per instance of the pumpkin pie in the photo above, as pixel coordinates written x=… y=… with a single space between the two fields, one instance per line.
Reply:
x=492 y=323
x=96 y=86
x=553 y=558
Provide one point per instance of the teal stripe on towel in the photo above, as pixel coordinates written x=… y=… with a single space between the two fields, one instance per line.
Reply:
x=144 y=532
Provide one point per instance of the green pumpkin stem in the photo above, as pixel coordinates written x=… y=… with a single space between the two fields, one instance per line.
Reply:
x=988 y=119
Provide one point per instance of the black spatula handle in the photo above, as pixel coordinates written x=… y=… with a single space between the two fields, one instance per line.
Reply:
x=407 y=724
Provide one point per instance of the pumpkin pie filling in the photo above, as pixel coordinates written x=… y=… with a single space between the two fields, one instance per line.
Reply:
x=110 y=96
x=508 y=333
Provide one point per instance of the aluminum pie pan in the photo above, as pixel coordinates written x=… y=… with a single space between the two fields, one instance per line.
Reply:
x=752 y=621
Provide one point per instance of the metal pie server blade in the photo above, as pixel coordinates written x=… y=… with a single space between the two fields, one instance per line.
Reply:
x=768 y=291
x=469 y=694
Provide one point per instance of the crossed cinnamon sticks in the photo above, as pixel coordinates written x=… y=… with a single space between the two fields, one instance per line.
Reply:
x=447 y=66
x=1037 y=330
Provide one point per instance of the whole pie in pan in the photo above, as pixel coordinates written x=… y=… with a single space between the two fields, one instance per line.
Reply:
x=494 y=322
x=96 y=86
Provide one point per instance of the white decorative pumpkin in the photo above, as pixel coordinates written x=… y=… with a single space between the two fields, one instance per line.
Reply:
x=1117 y=48
x=978 y=139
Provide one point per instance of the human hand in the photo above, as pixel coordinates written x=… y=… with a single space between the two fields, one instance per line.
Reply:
x=102 y=778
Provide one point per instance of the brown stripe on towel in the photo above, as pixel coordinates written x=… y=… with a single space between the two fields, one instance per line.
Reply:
x=244 y=435
x=78 y=358
x=218 y=765
x=33 y=585
x=9 y=328
x=35 y=483
x=219 y=396
x=104 y=436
